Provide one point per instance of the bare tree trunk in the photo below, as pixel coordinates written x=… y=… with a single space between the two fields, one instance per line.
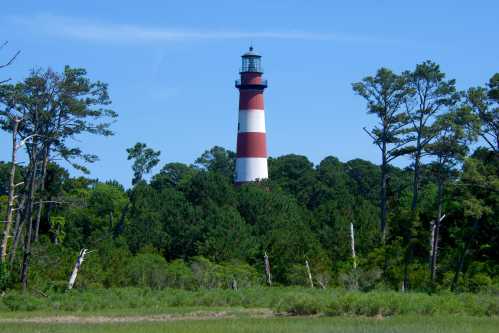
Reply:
x=267 y=269
x=354 y=257
x=417 y=175
x=28 y=219
x=309 y=274
x=435 y=234
x=433 y=225
x=42 y=187
x=407 y=260
x=383 y=194
x=414 y=206
x=76 y=269
x=17 y=230
x=352 y=239
x=12 y=190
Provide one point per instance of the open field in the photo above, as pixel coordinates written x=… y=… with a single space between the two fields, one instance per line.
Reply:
x=246 y=323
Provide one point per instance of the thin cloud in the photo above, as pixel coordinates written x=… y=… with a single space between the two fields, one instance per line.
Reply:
x=74 y=28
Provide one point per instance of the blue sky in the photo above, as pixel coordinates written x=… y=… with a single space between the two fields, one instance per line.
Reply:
x=171 y=65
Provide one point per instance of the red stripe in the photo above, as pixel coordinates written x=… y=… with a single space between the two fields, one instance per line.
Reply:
x=251 y=144
x=250 y=99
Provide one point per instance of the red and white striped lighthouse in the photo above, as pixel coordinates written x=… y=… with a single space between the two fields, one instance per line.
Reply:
x=251 y=162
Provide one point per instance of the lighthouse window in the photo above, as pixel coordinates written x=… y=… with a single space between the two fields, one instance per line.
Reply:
x=251 y=64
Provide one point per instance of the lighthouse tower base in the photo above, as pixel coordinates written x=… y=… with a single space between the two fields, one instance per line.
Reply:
x=249 y=169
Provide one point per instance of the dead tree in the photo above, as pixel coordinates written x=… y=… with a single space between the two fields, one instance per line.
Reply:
x=12 y=187
x=354 y=258
x=15 y=147
x=267 y=269
x=12 y=196
x=234 y=284
x=352 y=242
x=434 y=239
x=76 y=269
x=18 y=226
x=309 y=274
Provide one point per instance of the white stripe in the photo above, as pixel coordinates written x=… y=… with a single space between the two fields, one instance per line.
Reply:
x=251 y=121
x=249 y=169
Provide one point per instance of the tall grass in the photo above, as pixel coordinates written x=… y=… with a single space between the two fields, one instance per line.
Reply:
x=293 y=301
x=405 y=324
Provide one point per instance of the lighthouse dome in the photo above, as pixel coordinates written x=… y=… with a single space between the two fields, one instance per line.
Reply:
x=251 y=53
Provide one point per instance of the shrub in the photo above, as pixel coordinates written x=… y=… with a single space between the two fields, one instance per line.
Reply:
x=359 y=278
x=16 y=301
x=148 y=270
x=300 y=304
x=479 y=281
x=179 y=275
x=4 y=276
x=207 y=274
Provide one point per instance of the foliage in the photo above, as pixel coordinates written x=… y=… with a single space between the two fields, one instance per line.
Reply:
x=144 y=159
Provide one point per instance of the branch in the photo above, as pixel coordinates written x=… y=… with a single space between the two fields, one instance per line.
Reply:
x=482 y=134
x=11 y=60
x=23 y=141
x=372 y=137
x=53 y=201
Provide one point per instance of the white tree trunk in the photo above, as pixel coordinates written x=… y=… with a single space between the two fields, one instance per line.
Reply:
x=12 y=196
x=435 y=234
x=76 y=269
x=354 y=258
x=309 y=274
x=267 y=269
x=352 y=237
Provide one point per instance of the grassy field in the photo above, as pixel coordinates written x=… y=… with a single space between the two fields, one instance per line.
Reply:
x=402 y=324
x=290 y=300
x=247 y=310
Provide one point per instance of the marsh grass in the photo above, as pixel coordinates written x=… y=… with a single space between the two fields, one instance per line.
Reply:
x=291 y=301
x=398 y=324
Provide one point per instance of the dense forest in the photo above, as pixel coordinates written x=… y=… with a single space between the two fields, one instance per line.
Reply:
x=430 y=226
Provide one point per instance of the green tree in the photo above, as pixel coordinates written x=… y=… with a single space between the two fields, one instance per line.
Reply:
x=228 y=237
x=385 y=94
x=449 y=148
x=485 y=104
x=479 y=192
x=431 y=95
x=144 y=159
x=219 y=160
x=55 y=108
x=147 y=270
x=174 y=175
x=295 y=174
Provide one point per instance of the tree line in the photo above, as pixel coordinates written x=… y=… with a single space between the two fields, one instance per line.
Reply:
x=431 y=225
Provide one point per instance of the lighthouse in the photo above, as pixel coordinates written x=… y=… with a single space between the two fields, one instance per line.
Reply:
x=251 y=157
